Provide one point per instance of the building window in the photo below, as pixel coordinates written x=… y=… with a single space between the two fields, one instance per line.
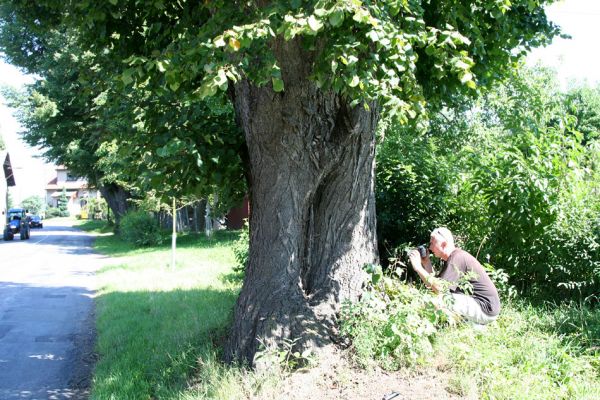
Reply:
x=71 y=177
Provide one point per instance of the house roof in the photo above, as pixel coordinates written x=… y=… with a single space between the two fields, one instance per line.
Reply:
x=76 y=185
x=69 y=193
x=8 y=171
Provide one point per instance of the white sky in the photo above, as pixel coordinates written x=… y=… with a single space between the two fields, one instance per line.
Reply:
x=577 y=59
x=31 y=173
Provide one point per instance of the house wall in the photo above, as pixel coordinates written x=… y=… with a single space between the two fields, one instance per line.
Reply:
x=79 y=199
x=236 y=215
x=77 y=191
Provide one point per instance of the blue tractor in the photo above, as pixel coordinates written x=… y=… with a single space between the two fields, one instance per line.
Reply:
x=17 y=221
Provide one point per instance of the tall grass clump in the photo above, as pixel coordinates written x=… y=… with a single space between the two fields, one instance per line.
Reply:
x=548 y=351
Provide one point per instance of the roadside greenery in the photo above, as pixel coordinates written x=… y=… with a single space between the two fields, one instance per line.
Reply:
x=526 y=354
x=140 y=95
x=241 y=248
x=393 y=324
x=140 y=228
x=52 y=212
x=514 y=174
x=34 y=204
x=160 y=332
x=547 y=351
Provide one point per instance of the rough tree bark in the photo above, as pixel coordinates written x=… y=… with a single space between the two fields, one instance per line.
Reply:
x=116 y=198
x=312 y=225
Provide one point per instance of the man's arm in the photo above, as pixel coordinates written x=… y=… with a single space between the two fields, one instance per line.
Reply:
x=426 y=263
x=424 y=269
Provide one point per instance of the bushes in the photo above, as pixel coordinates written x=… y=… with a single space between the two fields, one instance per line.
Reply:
x=513 y=178
x=141 y=229
x=96 y=208
x=541 y=212
x=240 y=249
x=393 y=323
x=52 y=212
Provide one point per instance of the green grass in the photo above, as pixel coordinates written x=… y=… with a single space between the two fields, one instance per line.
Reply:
x=532 y=351
x=89 y=225
x=160 y=329
x=545 y=352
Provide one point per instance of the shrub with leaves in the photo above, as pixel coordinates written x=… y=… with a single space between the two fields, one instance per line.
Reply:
x=285 y=357
x=393 y=323
x=515 y=177
x=141 y=229
x=240 y=249
x=52 y=212
x=63 y=202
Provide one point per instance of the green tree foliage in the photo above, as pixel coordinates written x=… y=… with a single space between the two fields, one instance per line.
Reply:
x=519 y=184
x=35 y=204
x=58 y=111
x=63 y=202
x=396 y=50
x=96 y=208
x=584 y=104
x=10 y=201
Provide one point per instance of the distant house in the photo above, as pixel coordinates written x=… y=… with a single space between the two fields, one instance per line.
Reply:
x=77 y=190
x=7 y=179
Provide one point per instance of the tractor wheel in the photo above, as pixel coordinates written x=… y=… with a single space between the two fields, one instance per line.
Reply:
x=8 y=235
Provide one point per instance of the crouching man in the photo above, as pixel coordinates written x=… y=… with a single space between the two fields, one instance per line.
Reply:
x=481 y=305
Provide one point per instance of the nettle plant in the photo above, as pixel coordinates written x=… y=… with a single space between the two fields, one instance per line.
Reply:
x=394 y=323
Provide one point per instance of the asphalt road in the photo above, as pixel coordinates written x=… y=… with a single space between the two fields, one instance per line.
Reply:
x=47 y=314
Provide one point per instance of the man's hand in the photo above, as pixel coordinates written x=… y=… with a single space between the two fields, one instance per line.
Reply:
x=415 y=260
x=423 y=268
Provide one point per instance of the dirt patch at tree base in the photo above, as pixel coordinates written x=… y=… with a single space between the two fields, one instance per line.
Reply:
x=336 y=378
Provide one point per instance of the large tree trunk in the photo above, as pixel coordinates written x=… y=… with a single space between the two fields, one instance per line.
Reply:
x=116 y=197
x=312 y=226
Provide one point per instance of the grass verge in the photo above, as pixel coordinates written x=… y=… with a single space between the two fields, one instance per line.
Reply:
x=160 y=331
x=160 y=328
